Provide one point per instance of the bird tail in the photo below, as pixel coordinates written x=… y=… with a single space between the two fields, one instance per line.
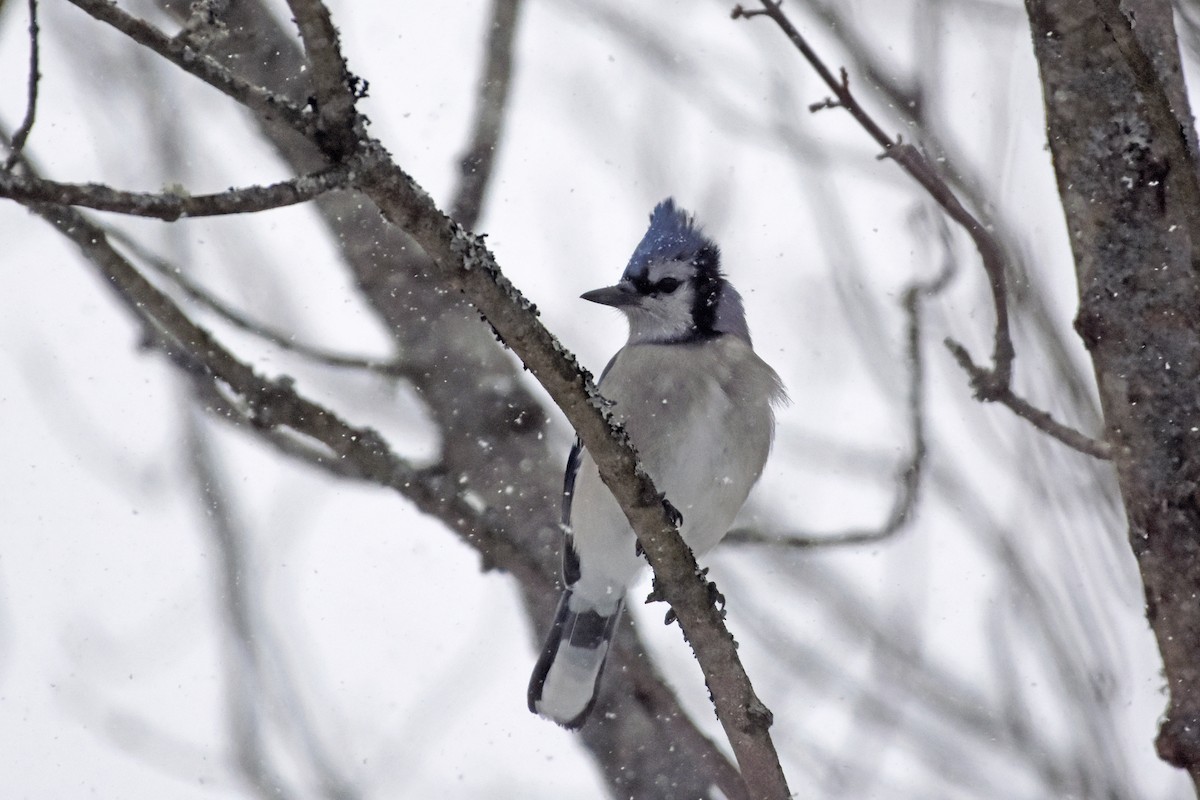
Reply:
x=566 y=679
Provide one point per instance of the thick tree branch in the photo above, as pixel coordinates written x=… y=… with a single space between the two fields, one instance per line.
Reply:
x=170 y=206
x=1163 y=118
x=334 y=88
x=469 y=266
x=1126 y=177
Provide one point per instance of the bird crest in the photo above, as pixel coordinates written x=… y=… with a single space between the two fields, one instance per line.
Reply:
x=672 y=236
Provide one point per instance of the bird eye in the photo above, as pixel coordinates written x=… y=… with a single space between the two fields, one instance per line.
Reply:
x=667 y=285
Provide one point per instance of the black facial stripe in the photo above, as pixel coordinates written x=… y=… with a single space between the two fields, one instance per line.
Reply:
x=642 y=283
x=708 y=290
x=663 y=286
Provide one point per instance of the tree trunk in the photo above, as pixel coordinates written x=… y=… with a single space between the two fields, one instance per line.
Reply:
x=1124 y=179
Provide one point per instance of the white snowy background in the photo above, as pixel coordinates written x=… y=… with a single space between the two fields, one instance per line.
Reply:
x=407 y=661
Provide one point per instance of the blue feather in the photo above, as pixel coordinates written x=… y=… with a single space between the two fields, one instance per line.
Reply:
x=672 y=235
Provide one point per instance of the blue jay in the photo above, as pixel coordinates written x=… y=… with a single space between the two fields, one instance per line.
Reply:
x=697 y=403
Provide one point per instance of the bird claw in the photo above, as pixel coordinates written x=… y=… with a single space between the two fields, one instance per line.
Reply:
x=716 y=598
x=657 y=595
x=672 y=513
x=714 y=594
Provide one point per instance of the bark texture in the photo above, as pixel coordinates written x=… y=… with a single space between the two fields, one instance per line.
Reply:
x=1124 y=184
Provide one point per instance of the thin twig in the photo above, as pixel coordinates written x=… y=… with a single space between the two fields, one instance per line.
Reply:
x=475 y=167
x=182 y=54
x=171 y=206
x=908 y=478
x=273 y=408
x=908 y=102
x=22 y=134
x=243 y=322
x=255 y=653
x=915 y=164
x=243 y=688
x=990 y=385
x=276 y=405
x=1022 y=408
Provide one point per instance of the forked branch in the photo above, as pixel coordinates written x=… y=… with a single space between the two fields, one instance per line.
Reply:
x=992 y=384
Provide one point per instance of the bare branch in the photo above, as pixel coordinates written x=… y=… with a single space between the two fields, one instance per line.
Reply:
x=182 y=54
x=170 y=206
x=908 y=102
x=217 y=403
x=22 y=133
x=275 y=404
x=475 y=168
x=334 y=88
x=908 y=478
x=243 y=668
x=1022 y=408
x=990 y=385
x=631 y=660
x=280 y=339
x=915 y=164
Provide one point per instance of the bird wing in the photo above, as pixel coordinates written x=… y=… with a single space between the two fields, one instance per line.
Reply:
x=570 y=556
x=574 y=459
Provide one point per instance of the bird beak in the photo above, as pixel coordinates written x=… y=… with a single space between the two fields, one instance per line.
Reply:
x=623 y=294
